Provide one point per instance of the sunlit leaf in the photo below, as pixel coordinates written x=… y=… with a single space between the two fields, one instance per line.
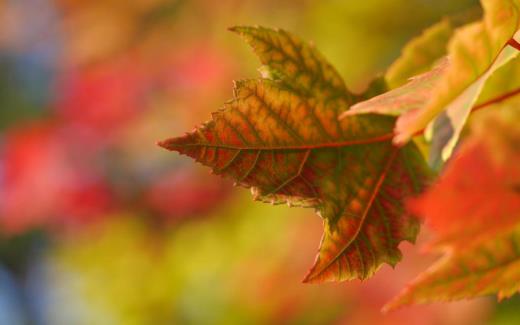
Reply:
x=410 y=97
x=505 y=80
x=445 y=129
x=282 y=138
x=475 y=52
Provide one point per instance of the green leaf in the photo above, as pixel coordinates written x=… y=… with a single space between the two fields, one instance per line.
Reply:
x=282 y=138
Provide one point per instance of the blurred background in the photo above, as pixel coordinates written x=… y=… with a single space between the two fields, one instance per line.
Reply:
x=98 y=225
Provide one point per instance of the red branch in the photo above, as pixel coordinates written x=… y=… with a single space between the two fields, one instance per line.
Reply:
x=512 y=42
x=498 y=99
x=485 y=104
x=381 y=138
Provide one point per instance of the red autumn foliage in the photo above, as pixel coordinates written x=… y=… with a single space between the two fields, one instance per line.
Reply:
x=478 y=191
x=185 y=193
x=100 y=99
x=48 y=179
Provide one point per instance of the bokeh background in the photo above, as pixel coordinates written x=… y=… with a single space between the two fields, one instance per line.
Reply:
x=98 y=225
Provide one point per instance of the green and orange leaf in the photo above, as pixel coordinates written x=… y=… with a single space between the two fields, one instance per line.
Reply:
x=283 y=139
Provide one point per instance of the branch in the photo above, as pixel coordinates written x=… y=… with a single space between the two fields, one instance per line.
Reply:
x=485 y=104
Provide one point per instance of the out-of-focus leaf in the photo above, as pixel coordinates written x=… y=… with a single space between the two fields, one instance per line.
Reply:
x=420 y=54
x=409 y=97
x=475 y=52
x=364 y=50
x=475 y=209
x=282 y=138
x=477 y=190
x=101 y=99
x=184 y=194
x=458 y=83
x=482 y=268
x=445 y=129
x=504 y=81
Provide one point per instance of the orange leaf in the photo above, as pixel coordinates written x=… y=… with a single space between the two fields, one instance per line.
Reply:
x=475 y=209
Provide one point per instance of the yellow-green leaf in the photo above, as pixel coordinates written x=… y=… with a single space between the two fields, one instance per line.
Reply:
x=282 y=138
x=475 y=51
x=420 y=54
x=445 y=129
x=505 y=80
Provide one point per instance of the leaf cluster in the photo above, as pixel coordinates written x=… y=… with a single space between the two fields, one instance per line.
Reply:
x=298 y=136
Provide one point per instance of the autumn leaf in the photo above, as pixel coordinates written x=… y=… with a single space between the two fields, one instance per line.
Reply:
x=410 y=97
x=475 y=52
x=282 y=138
x=440 y=100
x=444 y=131
x=484 y=268
x=475 y=210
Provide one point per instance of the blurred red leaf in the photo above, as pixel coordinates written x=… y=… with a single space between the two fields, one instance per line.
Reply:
x=103 y=98
x=474 y=208
x=48 y=180
x=478 y=191
x=185 y=193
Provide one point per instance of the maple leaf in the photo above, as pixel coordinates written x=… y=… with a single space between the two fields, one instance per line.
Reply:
x=282 y=138
x=475 y=210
